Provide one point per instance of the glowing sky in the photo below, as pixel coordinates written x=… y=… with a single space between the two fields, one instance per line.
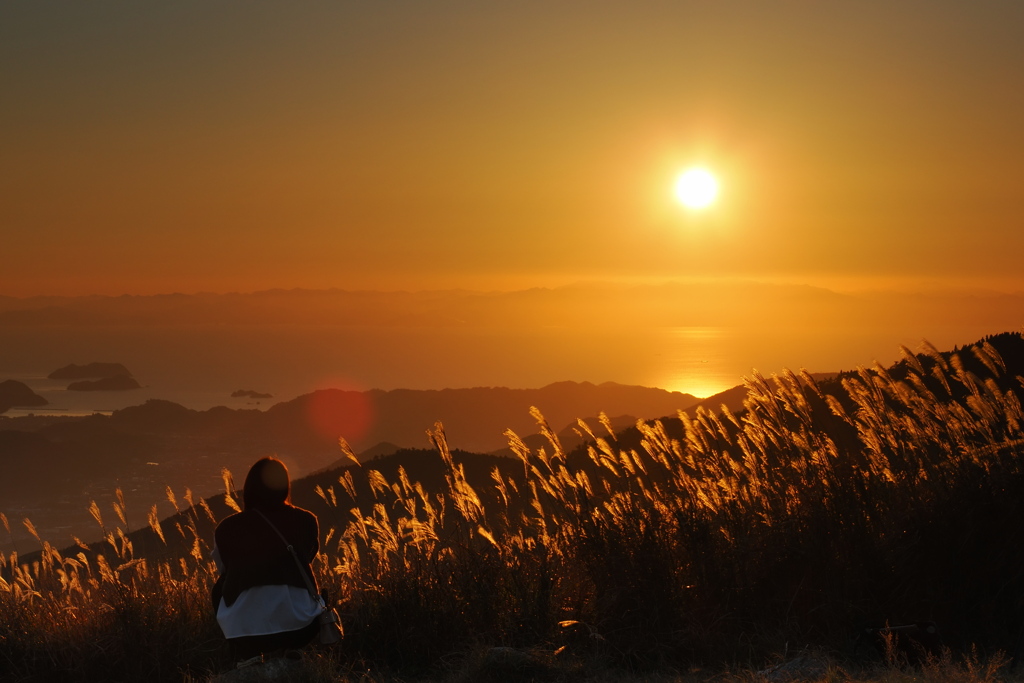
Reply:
x=233 y=146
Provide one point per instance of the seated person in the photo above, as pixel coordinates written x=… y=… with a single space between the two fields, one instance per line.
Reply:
x=263 y=602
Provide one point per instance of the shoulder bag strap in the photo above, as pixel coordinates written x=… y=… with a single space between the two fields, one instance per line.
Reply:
x=298 y=562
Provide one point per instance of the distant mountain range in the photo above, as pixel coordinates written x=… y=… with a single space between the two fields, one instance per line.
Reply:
x=474 y=419
x=590 y=304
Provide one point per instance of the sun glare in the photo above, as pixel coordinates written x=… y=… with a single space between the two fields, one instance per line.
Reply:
x=696 y=188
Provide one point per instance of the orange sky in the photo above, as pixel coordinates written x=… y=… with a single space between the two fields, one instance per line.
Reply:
x=239 y=146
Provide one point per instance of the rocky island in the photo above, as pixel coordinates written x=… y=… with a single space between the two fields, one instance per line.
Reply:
x=14 y=393
x=115 y=383
x=97 y=377
x=90 y=371
x=249 y=393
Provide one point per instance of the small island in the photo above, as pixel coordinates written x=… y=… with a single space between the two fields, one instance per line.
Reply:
x=90 y=371
x=97 y=377
x=115 y=383
x=14 y=393
x=249 y=393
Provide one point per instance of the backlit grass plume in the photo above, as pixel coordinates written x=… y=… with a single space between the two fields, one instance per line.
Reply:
x=882 y=495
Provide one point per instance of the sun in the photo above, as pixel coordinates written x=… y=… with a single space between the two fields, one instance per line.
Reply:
x=696 y=188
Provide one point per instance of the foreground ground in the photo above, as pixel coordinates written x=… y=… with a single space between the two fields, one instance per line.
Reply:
x=506 y=665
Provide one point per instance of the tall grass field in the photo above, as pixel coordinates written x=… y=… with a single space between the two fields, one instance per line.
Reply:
x=710 y=540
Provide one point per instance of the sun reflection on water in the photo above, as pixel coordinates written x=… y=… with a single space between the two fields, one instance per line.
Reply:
x=698 y=363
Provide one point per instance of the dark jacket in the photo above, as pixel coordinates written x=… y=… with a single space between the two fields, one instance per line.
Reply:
x=254 y=555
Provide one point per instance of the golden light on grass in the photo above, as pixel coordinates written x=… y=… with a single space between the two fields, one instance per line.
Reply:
x=803 y=466
x=696 y=188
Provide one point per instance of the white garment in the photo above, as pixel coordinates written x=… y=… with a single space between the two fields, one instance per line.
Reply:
x=262 y=610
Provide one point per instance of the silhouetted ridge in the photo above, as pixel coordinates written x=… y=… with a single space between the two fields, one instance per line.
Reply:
x=155 y=414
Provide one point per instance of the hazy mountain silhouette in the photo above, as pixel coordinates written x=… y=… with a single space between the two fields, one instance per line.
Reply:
x=702 y=303
x=382 y=449
x=474 y=419
x=664 y=304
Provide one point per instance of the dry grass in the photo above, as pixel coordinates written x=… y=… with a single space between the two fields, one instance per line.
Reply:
x=742 y=534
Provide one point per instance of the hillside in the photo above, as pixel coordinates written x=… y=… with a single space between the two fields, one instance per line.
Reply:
x=874 y=497
x=59 y=464
x=474 y=419
x=423 y=465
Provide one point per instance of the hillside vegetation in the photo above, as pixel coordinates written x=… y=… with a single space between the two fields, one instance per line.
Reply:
x=883 y=495
x=54 y=465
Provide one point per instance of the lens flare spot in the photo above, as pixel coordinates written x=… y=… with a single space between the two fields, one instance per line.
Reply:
x=335 y=413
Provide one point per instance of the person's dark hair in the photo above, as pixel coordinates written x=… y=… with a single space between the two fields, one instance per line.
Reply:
x=266 y=485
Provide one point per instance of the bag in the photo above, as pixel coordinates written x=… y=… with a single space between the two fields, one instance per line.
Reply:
x=330 y=624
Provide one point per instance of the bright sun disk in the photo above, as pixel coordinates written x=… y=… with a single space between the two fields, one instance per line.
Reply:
x=696 y=188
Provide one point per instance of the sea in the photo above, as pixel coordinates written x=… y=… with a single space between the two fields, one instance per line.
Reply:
x=201 y=367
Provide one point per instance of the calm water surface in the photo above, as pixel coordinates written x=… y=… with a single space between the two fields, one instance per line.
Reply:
x=200 y=367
